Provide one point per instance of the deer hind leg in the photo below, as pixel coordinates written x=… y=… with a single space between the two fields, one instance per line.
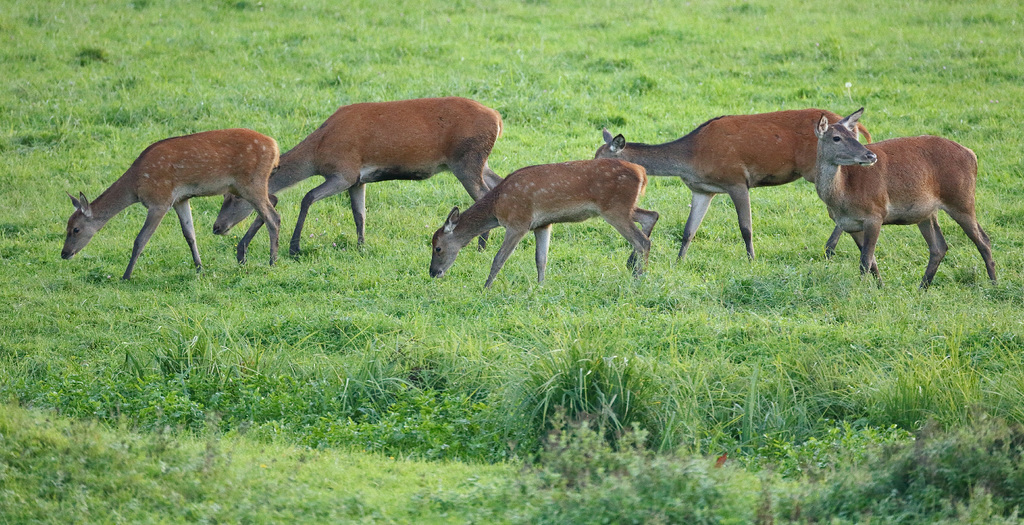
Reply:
x=357 y=196
x=741 y=199
x=334 y=184
x=266 y=213
x=640 y=242
x=647 y=220
x=472 y=171
x=270 y=216
x=184 y=212
x=543 y=236
x=937 y=247
x=699 y=204
x=512 y=238
x=156 y=213
x=970 y=225
x=491 y=179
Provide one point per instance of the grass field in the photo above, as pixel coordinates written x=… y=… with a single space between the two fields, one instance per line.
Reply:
x=812 y=380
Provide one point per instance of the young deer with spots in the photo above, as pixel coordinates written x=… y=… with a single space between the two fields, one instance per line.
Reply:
x=732 y=154
x=535 y=197
x=168 y=173
x=897 y=181
x=379 y=141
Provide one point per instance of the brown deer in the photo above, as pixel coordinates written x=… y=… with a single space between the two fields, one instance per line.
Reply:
x=897 y=181
x=535 y=197
x=379 y=141
x=168 y=173
x=731 y=154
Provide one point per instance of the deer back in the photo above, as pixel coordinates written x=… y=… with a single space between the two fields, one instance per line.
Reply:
x=568 y=192
x=417 y=134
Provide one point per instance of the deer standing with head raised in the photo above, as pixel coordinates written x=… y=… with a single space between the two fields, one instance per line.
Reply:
x=897 y=181
x=535 y=197
x=168 y=173
x=379 y=141
x=730 y=155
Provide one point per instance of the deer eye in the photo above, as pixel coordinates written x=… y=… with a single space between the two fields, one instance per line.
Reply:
x=75 y=230
x=437 y=249
x=836 y=139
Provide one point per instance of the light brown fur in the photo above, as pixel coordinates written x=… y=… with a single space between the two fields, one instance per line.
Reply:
x=535 y=197
x=378 y=141
x=732 y=154
x=169 y=172
x=898 y=181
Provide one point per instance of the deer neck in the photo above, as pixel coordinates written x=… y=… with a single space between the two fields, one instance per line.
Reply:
x=295 y=166
x=670 y=159
x=116 y=198
x=478 y=219
x=828 y=179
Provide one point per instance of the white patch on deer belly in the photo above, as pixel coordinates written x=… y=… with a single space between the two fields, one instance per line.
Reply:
x=748 y=177
x=366 y=171
x=911 y=213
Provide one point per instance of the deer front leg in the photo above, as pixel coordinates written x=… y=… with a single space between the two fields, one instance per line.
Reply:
x=512 y=238
x=833 y=240
x=698 y=208
x=334 y=184
x=243 y=243
x=868 y=239
x=152 y=221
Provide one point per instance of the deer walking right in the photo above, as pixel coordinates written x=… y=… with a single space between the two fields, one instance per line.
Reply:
x=897 y=181
x=168 y=173
x=379 y=141
x=535 y=197
x=732 y=154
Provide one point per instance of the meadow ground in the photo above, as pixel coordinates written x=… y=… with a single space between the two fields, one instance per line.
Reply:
x=807 y=376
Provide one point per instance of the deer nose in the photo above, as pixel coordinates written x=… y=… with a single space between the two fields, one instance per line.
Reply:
x=870 y=159
x=218 y=229
x=66 y=254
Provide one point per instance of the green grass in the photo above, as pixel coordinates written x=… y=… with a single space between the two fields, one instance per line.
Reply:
x=347 y=348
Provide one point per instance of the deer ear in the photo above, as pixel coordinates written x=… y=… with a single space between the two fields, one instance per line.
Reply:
x=822 y=127
x=850 y=121
x=607 y=135
x=617 y=143
x=452 y=220
x=81 y=204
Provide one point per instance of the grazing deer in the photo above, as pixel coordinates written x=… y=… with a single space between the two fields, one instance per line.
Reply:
x=731 y=154
x=897 y=181
x=535 y=197
x=168 y=173
x=379 y=141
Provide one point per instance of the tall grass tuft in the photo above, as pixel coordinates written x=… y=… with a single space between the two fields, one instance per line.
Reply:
x=615 y=391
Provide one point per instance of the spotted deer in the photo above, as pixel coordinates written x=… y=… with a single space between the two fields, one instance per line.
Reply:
x=168 y=173
x=535 y=197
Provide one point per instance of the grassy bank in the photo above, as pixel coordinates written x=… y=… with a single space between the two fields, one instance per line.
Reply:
x=356 y=348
